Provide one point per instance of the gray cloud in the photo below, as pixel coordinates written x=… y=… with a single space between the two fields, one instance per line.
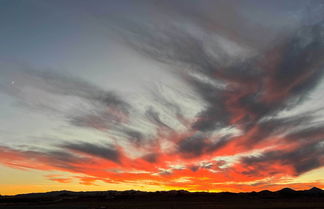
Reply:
x=169 y=104
x=243 y=73
x=80 y=103
x=154 y=117
x=134 y=135
x=60 y=84
x=103 y=151
x=245 y=91
x=43 y=159
x=151 y=157
x=200 y=144
x=302 y=159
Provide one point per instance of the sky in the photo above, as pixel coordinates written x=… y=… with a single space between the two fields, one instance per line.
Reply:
x=161 y=95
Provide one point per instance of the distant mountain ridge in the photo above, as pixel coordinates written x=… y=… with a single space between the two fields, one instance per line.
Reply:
x=112 y=194
x=285 y=198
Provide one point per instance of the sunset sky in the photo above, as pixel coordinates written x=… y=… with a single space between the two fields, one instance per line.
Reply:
x=161 y=95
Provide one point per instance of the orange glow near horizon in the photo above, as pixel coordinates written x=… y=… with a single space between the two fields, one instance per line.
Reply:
x=141 y=175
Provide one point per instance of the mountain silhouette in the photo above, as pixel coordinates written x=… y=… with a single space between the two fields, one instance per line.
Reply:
x=284 y=198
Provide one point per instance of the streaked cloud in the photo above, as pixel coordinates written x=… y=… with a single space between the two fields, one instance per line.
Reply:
x=240 y=138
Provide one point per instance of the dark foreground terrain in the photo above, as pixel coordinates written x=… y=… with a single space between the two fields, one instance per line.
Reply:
x=283 y=199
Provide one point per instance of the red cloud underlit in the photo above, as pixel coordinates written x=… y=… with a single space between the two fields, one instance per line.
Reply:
x=61 y=180
x=172 y=170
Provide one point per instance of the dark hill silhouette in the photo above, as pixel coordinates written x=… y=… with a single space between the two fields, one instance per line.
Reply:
x=284 y=198
x=286 y=190
x=315 y=190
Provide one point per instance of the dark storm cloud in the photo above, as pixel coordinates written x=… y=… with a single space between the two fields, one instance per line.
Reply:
x=97 y=150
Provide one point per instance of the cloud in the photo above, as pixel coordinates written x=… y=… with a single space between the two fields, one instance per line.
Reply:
x=243 y=92
x=200 y=144
x=249 y=93
x=133 y=135
x=97 y=150
x=41 y=160
x=60 y=179
x=57 y=83
x=154 y=117
x=79 y=102
x=301 y=159
x=245 y=88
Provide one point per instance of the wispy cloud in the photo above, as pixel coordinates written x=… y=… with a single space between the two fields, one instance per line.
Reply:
x=245 y=86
